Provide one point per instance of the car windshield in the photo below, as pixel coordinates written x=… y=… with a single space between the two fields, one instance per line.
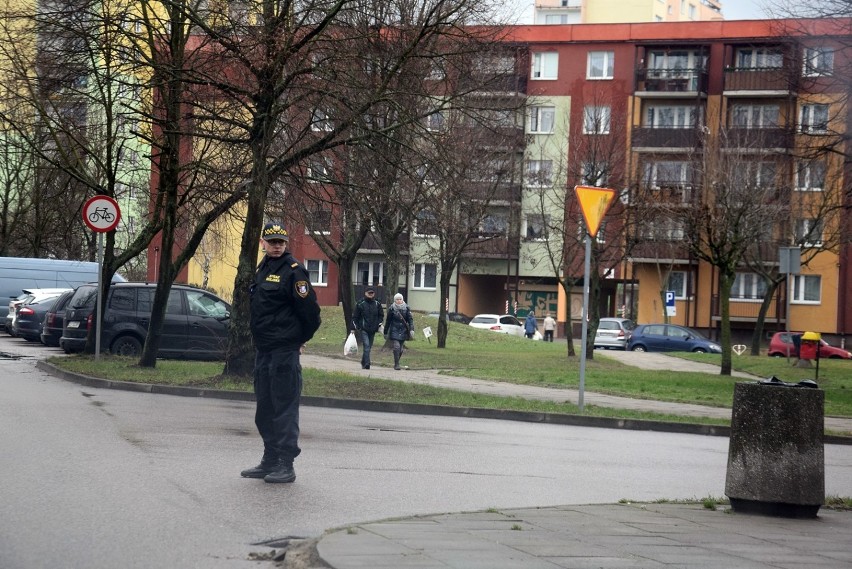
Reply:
x=484 y=320
x=84 y=297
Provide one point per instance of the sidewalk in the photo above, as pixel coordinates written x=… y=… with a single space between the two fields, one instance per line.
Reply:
x=600 y=536
x=641 y=360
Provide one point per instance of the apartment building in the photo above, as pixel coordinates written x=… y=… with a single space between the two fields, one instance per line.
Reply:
x=554 y=12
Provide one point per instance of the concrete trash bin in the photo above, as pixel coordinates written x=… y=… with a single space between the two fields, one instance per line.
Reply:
x=776 y=459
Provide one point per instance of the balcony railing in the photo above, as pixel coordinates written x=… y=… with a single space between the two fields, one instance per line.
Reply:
x=496 y=248
x=665 y=137
x=671 y=80
x=774 y=79
x=758 y=138
x=742 y=310
x=509 y=83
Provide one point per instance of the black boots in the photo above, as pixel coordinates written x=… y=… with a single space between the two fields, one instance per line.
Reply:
x=396 y=355
x=268 y=464
x=283 y=472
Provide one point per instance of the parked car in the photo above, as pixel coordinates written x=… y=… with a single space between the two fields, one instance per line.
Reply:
x=51 y=329
x=30 y=317
x=614 y=333
x=451 y=316
x=196 y=323
x=506 y=324
x=783 y=344
x=27 y=296
x=670 y=338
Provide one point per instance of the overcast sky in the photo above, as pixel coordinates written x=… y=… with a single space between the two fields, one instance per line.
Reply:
x=733 y=9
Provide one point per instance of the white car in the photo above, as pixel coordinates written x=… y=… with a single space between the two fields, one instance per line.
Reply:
x=506 y=324
x=29 y=295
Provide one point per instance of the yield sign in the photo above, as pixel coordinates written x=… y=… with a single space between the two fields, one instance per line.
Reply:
x=594 y=202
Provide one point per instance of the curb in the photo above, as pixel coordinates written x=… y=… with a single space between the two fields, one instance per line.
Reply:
x=416 y=408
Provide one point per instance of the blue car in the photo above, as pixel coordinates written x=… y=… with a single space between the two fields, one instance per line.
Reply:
x=670 y=338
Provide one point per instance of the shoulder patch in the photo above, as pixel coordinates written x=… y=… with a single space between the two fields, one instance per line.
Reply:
x=294 y=265
x=302 y=288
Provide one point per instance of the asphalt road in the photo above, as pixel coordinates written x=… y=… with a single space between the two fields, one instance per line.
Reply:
x=96 y=478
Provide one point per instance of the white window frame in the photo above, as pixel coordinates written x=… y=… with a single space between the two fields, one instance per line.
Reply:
x=417 y=228
x=590 y=169
x=817 y=61
x=320 y=177
x=681 y=292
x=805 y=226
x=799 y=288
x=809 y=122
x=606 y=67
x=597 y=119
x=536 y=220
x=808 y=176
x=538 y=173
x=436 y=122
x=755 y=115
x=373 y=267
x=309 y=220
x=419 y=276
x=759 y=58
x=538 y=117
x=651 y=174
x=321 y=121
x=748 y=287
x=545 y=65
x=671 y=116
x=321 y=271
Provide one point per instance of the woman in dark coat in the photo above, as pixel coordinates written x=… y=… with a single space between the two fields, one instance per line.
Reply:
x=399 y=327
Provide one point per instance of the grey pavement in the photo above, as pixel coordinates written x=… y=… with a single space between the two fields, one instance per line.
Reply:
x=643 y=360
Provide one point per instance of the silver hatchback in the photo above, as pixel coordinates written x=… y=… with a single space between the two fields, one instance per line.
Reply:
x=614 y=333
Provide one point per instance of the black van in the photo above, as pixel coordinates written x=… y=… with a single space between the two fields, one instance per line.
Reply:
x=196 y=324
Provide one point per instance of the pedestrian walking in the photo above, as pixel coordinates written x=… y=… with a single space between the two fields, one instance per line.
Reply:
x=367 y=318
x=399 y=327
x=549 y=327
x=284 y=315
x=530 y=325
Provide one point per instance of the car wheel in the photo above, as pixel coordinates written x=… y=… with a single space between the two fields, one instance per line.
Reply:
x=775 y=355
x=126 y=346
x=699 y=351
x=638 y=348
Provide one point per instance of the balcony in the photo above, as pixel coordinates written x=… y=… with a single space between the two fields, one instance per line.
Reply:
x=494 y=248
x=744 y=138
x=670 y=82
x=659 y=250
x=759 y=81
x=669 y=138
x=494 y=83
x=746 y=310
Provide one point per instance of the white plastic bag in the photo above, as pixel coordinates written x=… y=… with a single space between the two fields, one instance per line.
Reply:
x=538 y=336
x=350 y=348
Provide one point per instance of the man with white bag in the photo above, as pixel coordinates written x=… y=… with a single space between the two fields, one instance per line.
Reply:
x=366 y=319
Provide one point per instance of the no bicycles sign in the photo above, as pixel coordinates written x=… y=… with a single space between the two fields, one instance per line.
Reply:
x=101 y=214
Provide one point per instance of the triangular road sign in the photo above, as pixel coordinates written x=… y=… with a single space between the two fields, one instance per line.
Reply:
x=594 y=202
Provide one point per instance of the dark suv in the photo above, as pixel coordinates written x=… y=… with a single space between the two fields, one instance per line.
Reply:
x=196 y=324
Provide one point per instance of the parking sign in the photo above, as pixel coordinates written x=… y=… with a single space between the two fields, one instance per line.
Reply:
x=670 y=303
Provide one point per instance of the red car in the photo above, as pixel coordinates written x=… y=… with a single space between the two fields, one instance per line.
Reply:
x=782 y=345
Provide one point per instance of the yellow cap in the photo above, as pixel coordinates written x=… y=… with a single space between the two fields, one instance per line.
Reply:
x=812 y=336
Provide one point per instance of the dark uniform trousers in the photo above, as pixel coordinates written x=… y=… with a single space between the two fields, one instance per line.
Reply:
x=278 y=387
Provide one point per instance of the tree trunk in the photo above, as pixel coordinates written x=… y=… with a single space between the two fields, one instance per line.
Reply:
x=726 y=281
x=757 y=336
x=569 y=322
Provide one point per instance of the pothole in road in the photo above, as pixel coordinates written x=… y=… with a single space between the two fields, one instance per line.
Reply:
x=8 y=356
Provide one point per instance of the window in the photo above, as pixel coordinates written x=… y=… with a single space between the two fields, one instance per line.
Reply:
x=436 y=122
x=123 y=299
x=539 y=172
x=321 y=121
x=205 y=305
x=755 y=116
x=677 y=282
x=806 y=288
x=683 y=7
x=536 y=226
x=318 y=222
x=755 y=174
x=371 y=273
x=319 y=169
x=541 y=119
x=582 y=231
x=663 y=230
x=425 y=224
x=693 y=12
x=494 y=224
x=818 y=61
x=748 y=286
x=600 y=65
x=814 y=119
x=668 y=174
x=596 y=120
x=551 y=19
x=317 y=271
x=809 y=232
x=759 y=58
x=810 y=176
x=425 y=275
x=594 y=174
x=545 y=65
x=671 y=116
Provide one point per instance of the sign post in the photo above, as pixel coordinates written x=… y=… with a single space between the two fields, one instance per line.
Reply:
x=671 y=309
x=100 y=214
x=789 y=263
x=594 y=202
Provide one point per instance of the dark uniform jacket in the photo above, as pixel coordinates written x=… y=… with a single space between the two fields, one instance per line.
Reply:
x=284 y=309
x=368 y=315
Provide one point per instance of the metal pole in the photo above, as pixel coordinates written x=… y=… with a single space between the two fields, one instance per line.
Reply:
x=787 y=298
x=99 y=310
x=585 y=327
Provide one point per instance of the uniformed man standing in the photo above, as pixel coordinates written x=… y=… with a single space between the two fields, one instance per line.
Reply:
x=284 y=315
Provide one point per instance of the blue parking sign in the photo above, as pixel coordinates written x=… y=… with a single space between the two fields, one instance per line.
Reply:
x=670 y=303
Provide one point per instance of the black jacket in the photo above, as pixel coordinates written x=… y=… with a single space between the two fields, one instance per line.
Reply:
x=284 y=309
x=399 y=324
x=368 y=315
